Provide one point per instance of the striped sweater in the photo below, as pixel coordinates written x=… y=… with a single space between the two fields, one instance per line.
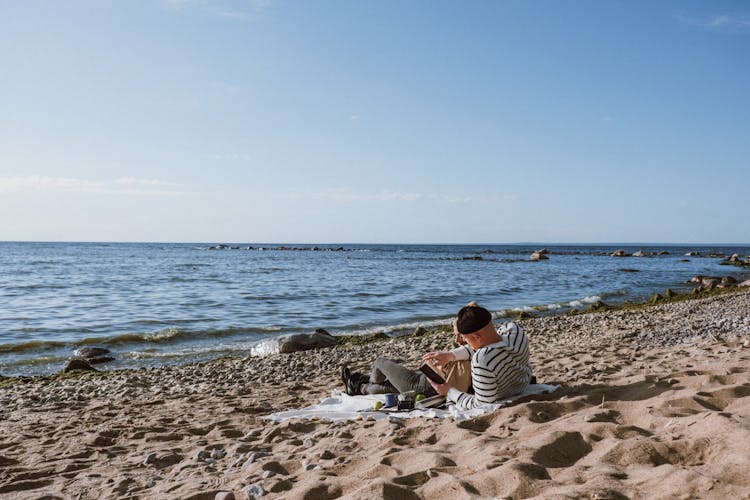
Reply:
x=498 y=370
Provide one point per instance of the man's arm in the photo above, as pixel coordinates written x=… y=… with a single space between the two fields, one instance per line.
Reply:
x=462 y=353
x=484 y=380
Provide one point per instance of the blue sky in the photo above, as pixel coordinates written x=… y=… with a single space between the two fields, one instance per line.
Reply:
x=352 y=121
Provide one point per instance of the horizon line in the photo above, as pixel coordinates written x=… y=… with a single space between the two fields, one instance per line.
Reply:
x=520 y=243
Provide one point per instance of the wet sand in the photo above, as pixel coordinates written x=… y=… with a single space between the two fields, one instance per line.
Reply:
x=654 y=404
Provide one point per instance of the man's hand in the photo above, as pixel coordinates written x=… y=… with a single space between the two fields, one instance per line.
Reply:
x=439 y=358
x=441 y=389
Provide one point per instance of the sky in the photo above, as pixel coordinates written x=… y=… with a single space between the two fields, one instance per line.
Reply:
x=375 y=122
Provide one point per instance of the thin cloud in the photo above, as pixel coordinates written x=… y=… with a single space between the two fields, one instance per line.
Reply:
x=730 y=23
x=233 y=14
x=347 y=195
x=129 y=186
x=129 y=181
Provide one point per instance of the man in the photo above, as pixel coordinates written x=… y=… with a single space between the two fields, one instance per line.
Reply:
x=499 y=359
x=499 y=364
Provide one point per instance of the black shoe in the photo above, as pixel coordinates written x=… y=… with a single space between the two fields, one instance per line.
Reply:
x=350 y=380
x=352 y=386
x=345 y=374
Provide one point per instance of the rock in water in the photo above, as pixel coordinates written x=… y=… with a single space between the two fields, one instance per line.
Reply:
x=537 y=256
x=710 y=281
x=618 y=253
x=78 y=364
x=90 y=352
x=306 y=341
x=639 y=253
x=94 y=355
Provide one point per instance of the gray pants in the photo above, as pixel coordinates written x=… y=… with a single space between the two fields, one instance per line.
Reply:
x=390 y=377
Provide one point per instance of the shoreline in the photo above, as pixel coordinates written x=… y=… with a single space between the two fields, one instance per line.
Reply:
x=265 y=347
x=654 y=403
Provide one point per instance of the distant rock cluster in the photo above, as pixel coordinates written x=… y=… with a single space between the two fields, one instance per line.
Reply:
x=709 y=282
x=639 y=253
x=282 y=248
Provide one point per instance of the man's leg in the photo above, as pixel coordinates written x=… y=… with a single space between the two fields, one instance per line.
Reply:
x=389 y=376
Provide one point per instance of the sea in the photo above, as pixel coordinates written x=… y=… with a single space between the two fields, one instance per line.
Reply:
x=156 y=304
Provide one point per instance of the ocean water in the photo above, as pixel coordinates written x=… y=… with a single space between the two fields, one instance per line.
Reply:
x=154 y=304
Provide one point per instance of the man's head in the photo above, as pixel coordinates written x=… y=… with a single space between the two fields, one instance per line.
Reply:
x=474 y=323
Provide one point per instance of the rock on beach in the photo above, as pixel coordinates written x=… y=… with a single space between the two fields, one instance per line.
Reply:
x=305 y=341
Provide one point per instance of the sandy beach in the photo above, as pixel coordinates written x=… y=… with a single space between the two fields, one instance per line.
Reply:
x=653 y=404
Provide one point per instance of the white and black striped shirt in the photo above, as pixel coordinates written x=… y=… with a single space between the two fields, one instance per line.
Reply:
x=498 y=370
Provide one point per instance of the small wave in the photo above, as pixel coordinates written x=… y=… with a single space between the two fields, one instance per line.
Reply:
x=32 y=345
x=266 y=347
x=166 y=335
x=523 y=309
x=369 y=309
x=40 y=360
x=215 y=350
x=259 y=297
x=38 y=286
x=182 y=279
x=586 y=300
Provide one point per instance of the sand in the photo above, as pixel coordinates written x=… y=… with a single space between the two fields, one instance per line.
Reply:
x=654 y=404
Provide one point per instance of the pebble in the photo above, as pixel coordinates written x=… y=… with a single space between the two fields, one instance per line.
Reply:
x=218 y=454
x=224 y=495
x=202 y=455
x=150 y=458
x=254 y=491
x=308 y=466
x=327 y=455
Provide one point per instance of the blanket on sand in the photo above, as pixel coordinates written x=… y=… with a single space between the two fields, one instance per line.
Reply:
x=340 y=406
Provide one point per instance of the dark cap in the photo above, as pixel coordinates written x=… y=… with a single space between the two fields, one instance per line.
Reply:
x=472 y=318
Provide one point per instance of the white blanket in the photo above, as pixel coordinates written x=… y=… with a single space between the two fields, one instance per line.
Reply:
x=340 y=406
